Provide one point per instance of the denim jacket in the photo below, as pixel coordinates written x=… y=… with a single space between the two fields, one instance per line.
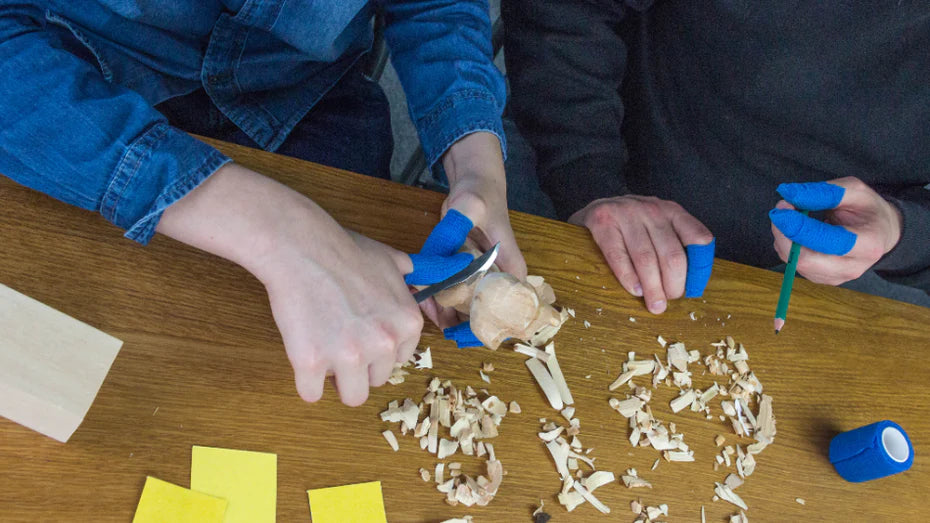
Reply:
x=79 y=79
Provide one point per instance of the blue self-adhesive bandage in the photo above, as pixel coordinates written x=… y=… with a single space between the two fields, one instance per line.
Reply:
x=700 y=264
x=448 y=235
x=429 y=269
x=813 y=234
x=462 y=335
x=812 y=196
x=439 y=258
x=871 y=452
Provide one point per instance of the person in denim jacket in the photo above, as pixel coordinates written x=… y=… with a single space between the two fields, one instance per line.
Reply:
x=94 y=94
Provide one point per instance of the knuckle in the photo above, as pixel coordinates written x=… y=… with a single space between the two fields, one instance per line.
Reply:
x=643 y=256
x=308 y=360
x=601 y=216
x=353 y=354
x=677 y=261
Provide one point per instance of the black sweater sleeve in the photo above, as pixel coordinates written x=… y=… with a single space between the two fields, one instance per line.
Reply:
x=909 y=262
x=565 y=62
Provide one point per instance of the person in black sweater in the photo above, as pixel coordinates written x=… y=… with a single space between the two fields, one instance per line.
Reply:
x=660 y=124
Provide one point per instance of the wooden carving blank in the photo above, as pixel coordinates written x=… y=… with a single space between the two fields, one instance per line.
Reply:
x=51 y=365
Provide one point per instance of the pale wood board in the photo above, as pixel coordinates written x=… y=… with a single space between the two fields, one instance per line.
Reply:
x=51 y=365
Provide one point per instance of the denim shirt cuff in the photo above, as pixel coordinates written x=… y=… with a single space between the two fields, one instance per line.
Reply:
x=459 y=114
x=159 y=168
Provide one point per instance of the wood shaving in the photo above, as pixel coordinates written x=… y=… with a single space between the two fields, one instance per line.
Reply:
x=391 y=439
x=545 y=382
x=487 y=366
x=800 y=501
x=532 y=352
x=424 y=475
x=727 y=494
x=484 y=377
x=632 y=480
x=424 y=360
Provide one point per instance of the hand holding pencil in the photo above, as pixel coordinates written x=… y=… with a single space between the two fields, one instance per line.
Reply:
x=860 y=228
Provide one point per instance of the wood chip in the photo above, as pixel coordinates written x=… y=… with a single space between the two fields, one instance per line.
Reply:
x=682 y=401
x=391 y=439
x=515 y=408
x=424 y=474
x=447 y=448
x=677 y=356
x=484 y=377
x=800 y=500
x=727 y=494
x=424 y=360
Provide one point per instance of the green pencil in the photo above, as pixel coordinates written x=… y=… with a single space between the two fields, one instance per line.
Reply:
x=781 y=312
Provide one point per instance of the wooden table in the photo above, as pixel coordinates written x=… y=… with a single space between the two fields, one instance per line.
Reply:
x=201 y=348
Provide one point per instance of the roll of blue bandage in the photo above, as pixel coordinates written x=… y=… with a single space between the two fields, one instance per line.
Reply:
x=871 y=452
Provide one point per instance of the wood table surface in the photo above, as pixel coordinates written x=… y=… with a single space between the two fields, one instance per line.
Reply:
x=201 y=348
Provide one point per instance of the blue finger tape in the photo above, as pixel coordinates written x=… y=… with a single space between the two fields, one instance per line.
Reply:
x=813 y=234
x=700 y=264
x=462 y=335
x=448 y=235
x=430 y=268
x=871 y=452
x=812 y=196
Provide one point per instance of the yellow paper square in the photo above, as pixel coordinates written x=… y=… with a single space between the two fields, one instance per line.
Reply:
x=359 y=503
x=248 y=481
x=164 y=502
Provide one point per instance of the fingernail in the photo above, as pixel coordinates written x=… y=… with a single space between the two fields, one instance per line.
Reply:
x=657 y=307
x=638 y=291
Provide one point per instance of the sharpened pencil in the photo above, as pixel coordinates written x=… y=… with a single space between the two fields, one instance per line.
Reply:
x=787 y=283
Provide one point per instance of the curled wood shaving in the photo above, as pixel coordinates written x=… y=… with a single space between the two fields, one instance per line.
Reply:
x=590 y=498
x=556 y=372
x=545 y=382
x=632 y=480
x=532 y=352
x=484 y=377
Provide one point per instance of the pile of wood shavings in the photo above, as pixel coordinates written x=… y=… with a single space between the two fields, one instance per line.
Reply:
x=469 y=422
x=568 y=455
x=742 y=388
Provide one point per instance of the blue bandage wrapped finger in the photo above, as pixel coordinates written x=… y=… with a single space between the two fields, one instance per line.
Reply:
x=429 y=269
x=700 y=264
x=813 y=234
x=448 y=235
x=462 y=335
x=813 y=196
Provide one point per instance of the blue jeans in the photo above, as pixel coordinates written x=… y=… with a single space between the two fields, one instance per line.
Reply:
x=349 y=128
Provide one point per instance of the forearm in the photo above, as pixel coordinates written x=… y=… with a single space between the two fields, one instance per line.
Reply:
x=248 y=219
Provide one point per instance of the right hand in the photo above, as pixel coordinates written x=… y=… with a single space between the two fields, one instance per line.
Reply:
x=344 y=310
x=643 y=239
x=338 y=298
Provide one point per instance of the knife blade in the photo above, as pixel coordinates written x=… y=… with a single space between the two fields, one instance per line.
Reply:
x=479 y=264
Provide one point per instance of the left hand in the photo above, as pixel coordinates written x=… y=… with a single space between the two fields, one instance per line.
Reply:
x=478 y=189
x=860 y=228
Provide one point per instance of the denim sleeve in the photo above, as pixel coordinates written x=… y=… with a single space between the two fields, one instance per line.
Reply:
x=69 y=133
x=442 y=52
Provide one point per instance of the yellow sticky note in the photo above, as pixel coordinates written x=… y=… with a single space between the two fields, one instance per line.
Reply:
x=163 y=502
x=247 y=480
x=360 y=503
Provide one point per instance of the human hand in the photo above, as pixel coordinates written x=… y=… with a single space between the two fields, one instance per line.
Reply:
x=860 y=228
x=643 y=239
x=478 y=189
x=338 y=298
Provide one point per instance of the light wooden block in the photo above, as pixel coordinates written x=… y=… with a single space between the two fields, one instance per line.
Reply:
x=51 y=365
